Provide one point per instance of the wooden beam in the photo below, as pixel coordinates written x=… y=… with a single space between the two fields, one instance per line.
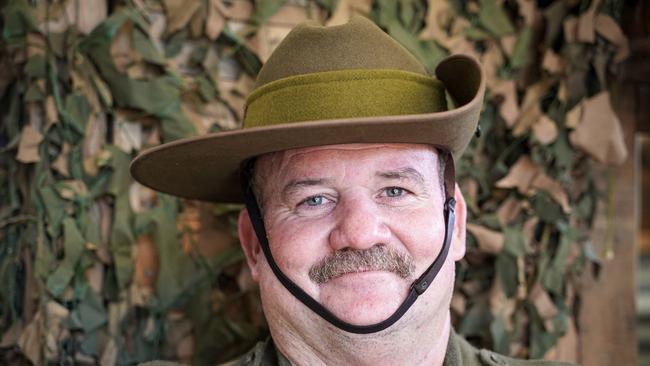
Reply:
x=607 y=319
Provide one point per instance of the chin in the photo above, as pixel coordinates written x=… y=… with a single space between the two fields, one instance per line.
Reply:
x=365 y=313
x=364 y=298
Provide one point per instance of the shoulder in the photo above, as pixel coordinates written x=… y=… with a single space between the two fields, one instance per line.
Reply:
x=248 y=359
x=490 y=358
x=263 y=354
x=469 y=355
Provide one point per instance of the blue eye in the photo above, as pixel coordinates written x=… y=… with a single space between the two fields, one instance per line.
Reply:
x=314 y=201
x=394 y=191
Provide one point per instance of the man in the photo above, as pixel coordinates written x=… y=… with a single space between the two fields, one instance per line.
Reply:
x=353 y=220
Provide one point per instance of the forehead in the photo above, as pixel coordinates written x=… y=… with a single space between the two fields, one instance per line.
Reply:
x=306 y=161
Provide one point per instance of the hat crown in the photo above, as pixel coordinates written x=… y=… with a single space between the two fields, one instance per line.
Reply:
x=358 y=44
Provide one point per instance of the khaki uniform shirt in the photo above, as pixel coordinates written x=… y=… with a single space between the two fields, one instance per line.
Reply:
x=459 y=353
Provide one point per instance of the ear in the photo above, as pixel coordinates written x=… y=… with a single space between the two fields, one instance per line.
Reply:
x=249 y=243
x=457 y=250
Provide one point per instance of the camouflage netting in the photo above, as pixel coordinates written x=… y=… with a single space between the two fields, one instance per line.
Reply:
x=97 y=269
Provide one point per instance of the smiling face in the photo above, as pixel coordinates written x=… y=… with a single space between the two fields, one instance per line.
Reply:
x=352 y=225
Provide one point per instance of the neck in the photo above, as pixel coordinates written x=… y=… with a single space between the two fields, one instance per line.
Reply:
x=401 y=344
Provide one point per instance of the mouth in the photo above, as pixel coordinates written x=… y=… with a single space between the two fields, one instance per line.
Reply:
x=361 y=269
x=360 y=273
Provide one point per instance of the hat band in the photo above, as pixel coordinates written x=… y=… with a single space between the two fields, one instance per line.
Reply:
x=343 y=94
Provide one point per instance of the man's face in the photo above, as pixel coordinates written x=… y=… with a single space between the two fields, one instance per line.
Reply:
x=352 y=225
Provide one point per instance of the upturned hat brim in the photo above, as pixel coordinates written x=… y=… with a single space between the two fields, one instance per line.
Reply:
x=207 y=167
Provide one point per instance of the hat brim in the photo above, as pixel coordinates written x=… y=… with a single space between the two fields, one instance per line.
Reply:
x=207 y=167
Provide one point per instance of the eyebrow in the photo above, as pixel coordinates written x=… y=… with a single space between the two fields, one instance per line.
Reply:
x=300 y=183
x=403 y=174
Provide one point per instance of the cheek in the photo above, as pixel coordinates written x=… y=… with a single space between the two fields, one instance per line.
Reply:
x=422 y=233
x=297 y=245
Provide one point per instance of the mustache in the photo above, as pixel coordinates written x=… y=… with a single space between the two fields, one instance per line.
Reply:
x=375 y=258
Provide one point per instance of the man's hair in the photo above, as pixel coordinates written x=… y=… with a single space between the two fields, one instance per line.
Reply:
x=256 y=184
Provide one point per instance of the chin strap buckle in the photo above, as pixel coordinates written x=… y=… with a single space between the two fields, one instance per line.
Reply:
x=420 y=286
x=450 y=205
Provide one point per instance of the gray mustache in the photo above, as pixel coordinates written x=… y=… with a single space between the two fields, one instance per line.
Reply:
x=376 y=258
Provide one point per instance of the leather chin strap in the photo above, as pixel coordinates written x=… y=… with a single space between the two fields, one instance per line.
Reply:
x=418 y=287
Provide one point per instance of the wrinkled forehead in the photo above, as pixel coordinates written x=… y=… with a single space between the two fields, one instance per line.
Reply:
x=305 y=161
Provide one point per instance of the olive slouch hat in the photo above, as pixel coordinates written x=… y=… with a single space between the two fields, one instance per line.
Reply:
x=350 y=83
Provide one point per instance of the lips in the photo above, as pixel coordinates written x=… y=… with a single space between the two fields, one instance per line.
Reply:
x=360 y=275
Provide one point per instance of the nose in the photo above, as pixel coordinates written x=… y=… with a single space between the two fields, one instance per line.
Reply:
x=360 y=225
